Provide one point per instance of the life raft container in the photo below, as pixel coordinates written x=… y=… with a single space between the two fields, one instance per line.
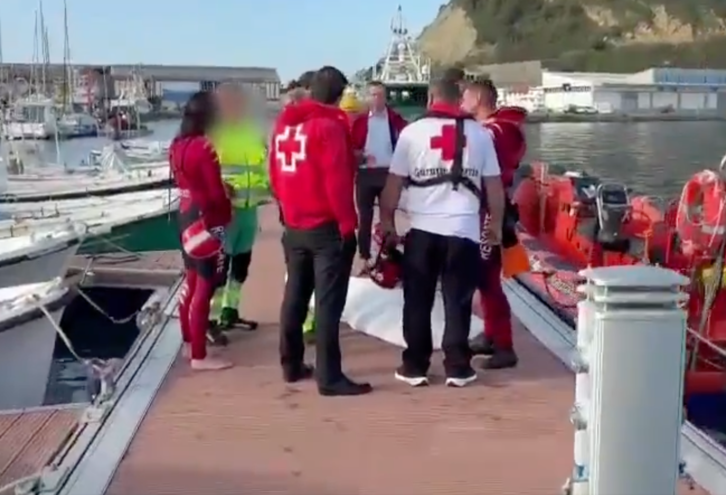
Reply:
x=198 y=242
x=701 y=214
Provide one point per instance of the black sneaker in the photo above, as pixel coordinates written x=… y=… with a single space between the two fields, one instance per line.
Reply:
x=481 y=345
x=295 y=374
x=500 y=360
x=461 y=378
x=230 y=318
x=413 y=379
x=249 y=325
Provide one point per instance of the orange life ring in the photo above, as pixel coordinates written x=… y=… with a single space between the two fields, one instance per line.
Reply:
x=701 y=216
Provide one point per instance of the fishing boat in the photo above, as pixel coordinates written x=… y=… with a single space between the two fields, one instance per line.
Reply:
x=133 y=222
x=76 y=123
x=404 y=71
x=114 y=177
x=130 y=153
x=38 y=256
x=27 y=341
x=32 y=118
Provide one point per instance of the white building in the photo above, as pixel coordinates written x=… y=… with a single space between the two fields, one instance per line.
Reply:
x=659 y=90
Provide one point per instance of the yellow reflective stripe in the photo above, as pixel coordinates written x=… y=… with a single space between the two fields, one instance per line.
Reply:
x=240 y=169
x=252 y=191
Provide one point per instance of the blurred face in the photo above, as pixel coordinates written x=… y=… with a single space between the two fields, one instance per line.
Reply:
x=231 y=103
x=376 y=97
x=471 y=100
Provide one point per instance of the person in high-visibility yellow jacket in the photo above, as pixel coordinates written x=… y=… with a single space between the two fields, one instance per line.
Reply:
x=241 y=147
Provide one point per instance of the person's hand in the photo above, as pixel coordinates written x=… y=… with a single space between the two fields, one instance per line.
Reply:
x=370 y=160
x=390 y=236
x=494 y=234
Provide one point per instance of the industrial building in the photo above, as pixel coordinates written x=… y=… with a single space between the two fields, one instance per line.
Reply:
x=657 y=90
x=155 y=78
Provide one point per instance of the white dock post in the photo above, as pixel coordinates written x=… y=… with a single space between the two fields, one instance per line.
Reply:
x=636 y=362
x=581 y=409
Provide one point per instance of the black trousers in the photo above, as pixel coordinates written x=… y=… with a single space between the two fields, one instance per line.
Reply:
x=319 y=261
x=368 y=188
x=456 y=261
x=240 y=268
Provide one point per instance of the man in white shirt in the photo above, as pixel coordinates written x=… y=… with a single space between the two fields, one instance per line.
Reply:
x=374 y=135
x=449 y=165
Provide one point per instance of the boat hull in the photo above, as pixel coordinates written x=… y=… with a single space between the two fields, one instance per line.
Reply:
x=156 y=233
x=100 y=192
x=26 y=357
x=38 y=267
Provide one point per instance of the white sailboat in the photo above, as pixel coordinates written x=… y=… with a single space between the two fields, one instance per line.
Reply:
x=38 y=256
x=74 y=121
x=98 y=214
x=27 y=341
x=33 y=117
x=112 y=173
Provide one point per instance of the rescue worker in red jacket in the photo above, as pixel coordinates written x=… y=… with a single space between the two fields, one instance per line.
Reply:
x=204 y=211
x=504 y=124
x=374 y=133
x=313 y=181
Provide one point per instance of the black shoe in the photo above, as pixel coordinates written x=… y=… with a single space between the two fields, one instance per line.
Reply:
x=249 y=325
x=230 y=318
x=461 y=378
x=345 y=387
x=295 y=374
x=216 y=337
x=414 y=379
x=481 y=345
x=500 y=360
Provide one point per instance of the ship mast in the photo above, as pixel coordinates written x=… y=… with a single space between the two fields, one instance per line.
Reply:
x=402 y=63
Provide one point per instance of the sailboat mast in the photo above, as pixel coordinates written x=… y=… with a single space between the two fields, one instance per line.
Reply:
x=67 y=75
x=36 y=49
x=43 y=47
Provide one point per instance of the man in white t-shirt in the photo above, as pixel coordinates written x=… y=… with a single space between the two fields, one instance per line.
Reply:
x=448 y=164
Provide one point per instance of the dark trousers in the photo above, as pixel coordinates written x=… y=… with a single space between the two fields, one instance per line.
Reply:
x=368 y=188
x=428 y=257
x=240 y=268
x=319 y=261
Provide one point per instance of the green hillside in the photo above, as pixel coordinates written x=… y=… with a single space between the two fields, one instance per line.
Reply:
x=587 y=35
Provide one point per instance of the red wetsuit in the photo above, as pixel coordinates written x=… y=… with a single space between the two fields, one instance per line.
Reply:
x=197 y=174
x=509 y=142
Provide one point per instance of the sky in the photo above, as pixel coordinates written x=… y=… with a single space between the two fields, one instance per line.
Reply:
x=289 y=35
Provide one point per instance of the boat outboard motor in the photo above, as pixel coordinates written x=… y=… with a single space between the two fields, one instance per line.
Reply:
x=613 y=204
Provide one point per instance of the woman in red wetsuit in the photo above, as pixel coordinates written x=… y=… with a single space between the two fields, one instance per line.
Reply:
x=204 y=212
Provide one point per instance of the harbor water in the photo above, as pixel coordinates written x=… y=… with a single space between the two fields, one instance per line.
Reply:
x=651 y=157
x=93 y=335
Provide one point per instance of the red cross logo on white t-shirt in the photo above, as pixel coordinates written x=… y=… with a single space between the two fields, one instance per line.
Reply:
x=446 y=142
x=290 y=148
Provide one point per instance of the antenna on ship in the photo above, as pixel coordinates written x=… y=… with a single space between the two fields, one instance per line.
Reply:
x=402 y=62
